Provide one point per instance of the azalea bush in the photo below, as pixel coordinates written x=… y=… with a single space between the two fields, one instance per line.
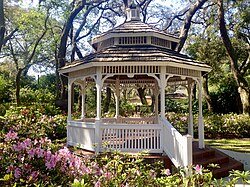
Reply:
x=37 y=162
x=27 y=162
x=32 y=122
x=215 y=125
x=30 y=162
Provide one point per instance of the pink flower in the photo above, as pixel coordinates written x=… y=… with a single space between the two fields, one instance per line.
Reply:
x=27 y=142
x=97 y=184
x=10 y=168
x=35 y=142
x=167 y=172
x=17 y=147
x=17 y=173
x=108 y=175
x=51 y=162
x=152 y=173
x=10 y=136
x=198 y=169
x=39 y=152
x=34 y=175
x=31 y=153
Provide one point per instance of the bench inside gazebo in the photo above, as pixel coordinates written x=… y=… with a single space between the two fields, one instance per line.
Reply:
x=135 y=55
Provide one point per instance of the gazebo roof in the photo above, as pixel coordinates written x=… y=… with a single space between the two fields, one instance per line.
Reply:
x=135 y=43
x=134 y=28
x=136 y=55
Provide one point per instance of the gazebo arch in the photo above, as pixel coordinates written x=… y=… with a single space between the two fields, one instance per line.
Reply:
x=135 y=53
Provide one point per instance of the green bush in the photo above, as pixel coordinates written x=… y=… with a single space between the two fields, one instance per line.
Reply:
x=32 y=122
x=215 y=125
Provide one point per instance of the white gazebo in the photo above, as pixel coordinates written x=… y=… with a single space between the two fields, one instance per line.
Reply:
x=135 y=54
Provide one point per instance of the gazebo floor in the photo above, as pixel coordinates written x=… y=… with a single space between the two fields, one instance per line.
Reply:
x=203 y=157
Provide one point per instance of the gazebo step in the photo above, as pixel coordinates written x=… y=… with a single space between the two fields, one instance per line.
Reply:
x=217 y=158
x=225 y=168
x=210 y=155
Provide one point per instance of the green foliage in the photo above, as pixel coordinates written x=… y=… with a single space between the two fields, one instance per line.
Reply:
x=33 y=122
x=226 y=97
x=29 y=158
x=5 y=89
x=215 y=125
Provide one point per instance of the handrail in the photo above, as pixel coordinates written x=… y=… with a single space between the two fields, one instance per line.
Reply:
x=177 y=147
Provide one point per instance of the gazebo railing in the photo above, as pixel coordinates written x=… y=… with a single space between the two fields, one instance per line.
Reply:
x=176 y=146
x=124 y=120
x=130 y=120
x=131 y=138
x=154 y=138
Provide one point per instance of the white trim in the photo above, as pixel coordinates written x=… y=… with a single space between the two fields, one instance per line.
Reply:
x=154 y=33
x=136 y=63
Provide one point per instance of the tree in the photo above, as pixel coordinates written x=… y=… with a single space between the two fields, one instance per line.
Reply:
x=22 y=47
x=3 y=37
x=239 y=66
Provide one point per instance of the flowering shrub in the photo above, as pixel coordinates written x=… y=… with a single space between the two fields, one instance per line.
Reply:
x=37 y=163
x=215 y=125
x=25 y=162
x=32 y=123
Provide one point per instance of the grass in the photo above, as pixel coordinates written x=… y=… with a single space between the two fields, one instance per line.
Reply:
x=238 y=145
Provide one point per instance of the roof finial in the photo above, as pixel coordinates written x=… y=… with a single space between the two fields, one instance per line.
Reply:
x=133 y=11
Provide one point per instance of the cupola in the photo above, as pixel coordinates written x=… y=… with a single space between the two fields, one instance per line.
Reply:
x=133 y=12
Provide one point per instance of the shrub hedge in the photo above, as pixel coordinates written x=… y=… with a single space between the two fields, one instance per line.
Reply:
x=215 y=125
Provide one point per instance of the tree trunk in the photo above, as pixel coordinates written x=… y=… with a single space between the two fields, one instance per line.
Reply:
x=194 y=92
x=243 y=87
x=63 y=47
x=18 y=80
x=206 y=94
x=141 y=92
x=107 y=101
x=2 y=25
x=245 y=100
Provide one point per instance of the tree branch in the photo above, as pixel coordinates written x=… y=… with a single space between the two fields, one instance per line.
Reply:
x=187 y=23
x=178 y=16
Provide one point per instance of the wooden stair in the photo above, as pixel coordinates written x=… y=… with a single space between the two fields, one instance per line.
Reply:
x=210 y=155
x=202 y=157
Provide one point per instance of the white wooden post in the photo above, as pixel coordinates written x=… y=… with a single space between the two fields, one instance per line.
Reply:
x=70 y=83
x=190 y=114
x=188 y=160
x=117 y=97
x=162 y=88
x=83 y=86
x=98 y=93
x=156 y=94
x=98 y=109
x=200 y=117
x=97 y=136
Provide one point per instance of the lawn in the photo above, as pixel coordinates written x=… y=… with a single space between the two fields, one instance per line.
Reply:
x=238 y=145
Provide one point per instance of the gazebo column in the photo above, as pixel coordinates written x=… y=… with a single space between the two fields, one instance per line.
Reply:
x=83 y=87
x=156 y=94
x=98 y=109
x=200 y=118
x=98 y=95
x=190 y=114
x=117 y=97
x=70 y=87
x=162 y=88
